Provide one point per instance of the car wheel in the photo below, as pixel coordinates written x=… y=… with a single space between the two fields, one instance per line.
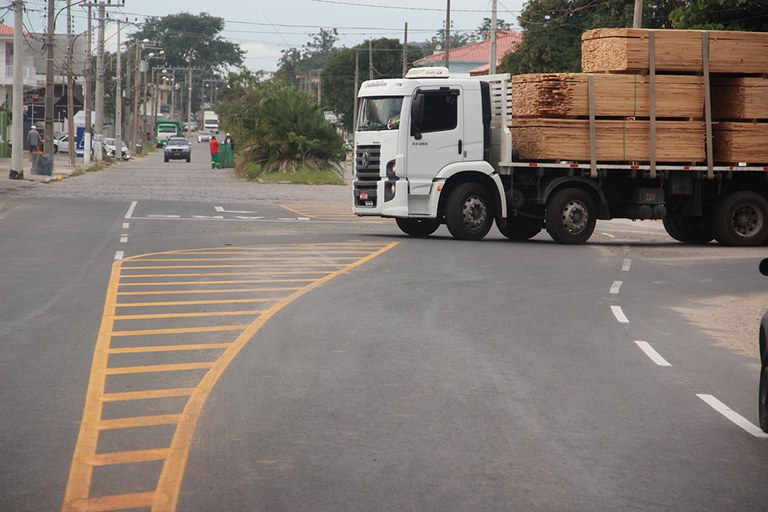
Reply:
x=166 y=159
x=188 y=159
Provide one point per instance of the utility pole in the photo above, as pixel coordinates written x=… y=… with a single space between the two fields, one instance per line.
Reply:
x=48 y=131
x=189 y=84
x=637 y=20
x=17 y=132
x=70 y=92
x=492 y=61
x=118 y=101
x=99 y=117
x=370 y=61
x=405 y=50
x=87 y=136
x=447 y=50
x=357 y=86
x=136 y=86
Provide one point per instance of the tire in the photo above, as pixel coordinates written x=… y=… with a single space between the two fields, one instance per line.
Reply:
x=418 y=227
x=469 y=212
x=189 y=159
x=166 y=159
x=687 y=229
x=762 y=406
x=520 y=228
x=741 y=219
x=571 y=216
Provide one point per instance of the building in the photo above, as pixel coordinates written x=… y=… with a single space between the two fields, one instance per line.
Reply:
x=474 y=58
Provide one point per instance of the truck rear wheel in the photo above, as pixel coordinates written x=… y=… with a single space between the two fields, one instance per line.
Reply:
x=571 y=216
x=468 y=213
x=520 y=228
x=687 y=229
x=741 y=219
x=762 y=410
x=418 y=227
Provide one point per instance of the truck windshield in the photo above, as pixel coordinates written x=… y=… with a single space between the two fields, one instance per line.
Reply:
x=166 y=128
x=380 y=113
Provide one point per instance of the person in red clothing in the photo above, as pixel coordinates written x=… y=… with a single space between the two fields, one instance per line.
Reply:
x=214 y=153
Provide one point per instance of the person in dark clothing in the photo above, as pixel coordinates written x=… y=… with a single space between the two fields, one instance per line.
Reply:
x=33 y=140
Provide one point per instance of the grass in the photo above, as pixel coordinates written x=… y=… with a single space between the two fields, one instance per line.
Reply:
x=304 y=176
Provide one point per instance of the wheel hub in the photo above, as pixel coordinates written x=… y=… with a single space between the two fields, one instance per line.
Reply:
x=747 y=220
x=474 y=212
x=575 y=217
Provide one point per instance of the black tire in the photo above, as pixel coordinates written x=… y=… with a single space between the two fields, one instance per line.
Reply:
x=469 y=212
x=166 y=159
x=571 y=216
x=418 y=227
x=189 y=159
x=520 y=228
x=741 y=219
x=688 y=229
x=762 y=406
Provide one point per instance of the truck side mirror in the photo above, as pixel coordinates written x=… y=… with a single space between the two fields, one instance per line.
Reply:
x=417 y=114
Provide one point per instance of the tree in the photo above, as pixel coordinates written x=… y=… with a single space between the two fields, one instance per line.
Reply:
x=749 y=15
x=295 y=67
x=484 y=30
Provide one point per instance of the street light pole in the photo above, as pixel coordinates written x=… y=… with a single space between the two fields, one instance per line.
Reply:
x=99 y=117
x=17 y=132
x=48 y=131
x=118 y=101
x=87 y=135
x=70 y=92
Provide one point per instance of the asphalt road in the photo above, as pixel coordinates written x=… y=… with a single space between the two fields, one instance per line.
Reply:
x=171 y=336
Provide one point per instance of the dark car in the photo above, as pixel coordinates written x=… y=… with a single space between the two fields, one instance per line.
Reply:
x=177 y=148
x=763 y=337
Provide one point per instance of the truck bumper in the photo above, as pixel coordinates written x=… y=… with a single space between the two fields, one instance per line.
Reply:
x=382 y=198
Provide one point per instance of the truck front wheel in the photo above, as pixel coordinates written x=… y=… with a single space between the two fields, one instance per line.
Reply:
x=741 y=219
x=571 y=216
x=520 y=228
x=762 y=410
x=687 y=229
x=468 y=213
x=418 y=227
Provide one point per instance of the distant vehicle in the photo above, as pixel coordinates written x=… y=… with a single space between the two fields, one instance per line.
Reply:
x=177 y=148
x=190 y=126
x=210 y=121
x=165 y=130
x=61 y=143
x=763 y=341
x=109 y=148
x=204 y=137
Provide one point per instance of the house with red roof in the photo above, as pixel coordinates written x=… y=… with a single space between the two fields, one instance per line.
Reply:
x=474 y=58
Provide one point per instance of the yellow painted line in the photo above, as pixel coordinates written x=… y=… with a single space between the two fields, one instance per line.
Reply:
x=165 y=497
x=226 y=290
x=139 y=421
x=192 y=302
x=180 y=367
x=180 y=330
x=266 y=265
x=146 y=395
x=235 y=281
x=168 y=348
x=218 y=274
x=260 y=258
x=107 y=459
x=116 y=502
x=189 y=315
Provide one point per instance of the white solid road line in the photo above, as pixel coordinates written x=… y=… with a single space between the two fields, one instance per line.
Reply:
x=221 y=209
x=619 y=314
x=626 y=265
x=733 y=416
x=129 y=213
x=152 y=216
x=651 y=352
x=615 y=287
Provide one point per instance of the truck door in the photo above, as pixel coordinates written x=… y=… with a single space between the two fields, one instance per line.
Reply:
x=436 y=136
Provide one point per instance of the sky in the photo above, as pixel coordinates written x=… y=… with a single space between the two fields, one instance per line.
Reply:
x=264 y=28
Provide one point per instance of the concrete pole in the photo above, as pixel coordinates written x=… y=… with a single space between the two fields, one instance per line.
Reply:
x=189 y=96
x=136 y=87
x=357 y=86
x=446 y=56
x=99 y=115
x=405 y=51
x=48 y=131
x=17 y=128
x=118 y=100
x=70 y=87
x=492 y=59
x=87 y=135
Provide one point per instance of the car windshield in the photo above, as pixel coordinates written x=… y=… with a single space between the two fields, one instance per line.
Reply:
x=380 y=113
x=177 y=141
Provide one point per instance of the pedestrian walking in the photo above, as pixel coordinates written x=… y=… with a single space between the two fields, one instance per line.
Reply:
x=214 y=152
x=229 y=140
x=33 y=141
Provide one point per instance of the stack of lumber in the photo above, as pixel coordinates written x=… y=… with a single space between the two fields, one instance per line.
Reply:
x=550 y=111
x=627 y=50
x=566 y=95
x=616 y=140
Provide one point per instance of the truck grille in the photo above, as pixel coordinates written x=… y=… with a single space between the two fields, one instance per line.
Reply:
x=368 y=162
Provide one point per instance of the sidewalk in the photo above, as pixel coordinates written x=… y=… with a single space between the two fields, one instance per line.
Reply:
x=61 y=169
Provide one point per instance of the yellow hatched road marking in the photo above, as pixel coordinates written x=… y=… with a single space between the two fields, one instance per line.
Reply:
x=231 y=290
x=324 y=262
x=240 y=281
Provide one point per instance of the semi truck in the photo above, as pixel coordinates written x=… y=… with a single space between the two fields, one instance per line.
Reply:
x=164 y=130
x=432 y=149
x=210 y=121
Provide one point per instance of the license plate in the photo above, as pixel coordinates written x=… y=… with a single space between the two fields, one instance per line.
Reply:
x=363 y=196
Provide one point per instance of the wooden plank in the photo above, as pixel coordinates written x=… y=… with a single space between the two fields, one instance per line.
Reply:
x=741 y=142
x=739 y=97
x=566 y=95
x=626 y=50
x=616 y=141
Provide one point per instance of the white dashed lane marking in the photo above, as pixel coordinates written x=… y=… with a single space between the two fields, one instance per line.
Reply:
x=615 y=287
x=619 y=314
x=732 y=415
x=651 y=352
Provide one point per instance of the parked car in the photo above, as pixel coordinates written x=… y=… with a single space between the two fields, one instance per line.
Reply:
x=177 y=148
x=109 y=148
x=763 y=341
x=204 y=137
x=61 y=143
